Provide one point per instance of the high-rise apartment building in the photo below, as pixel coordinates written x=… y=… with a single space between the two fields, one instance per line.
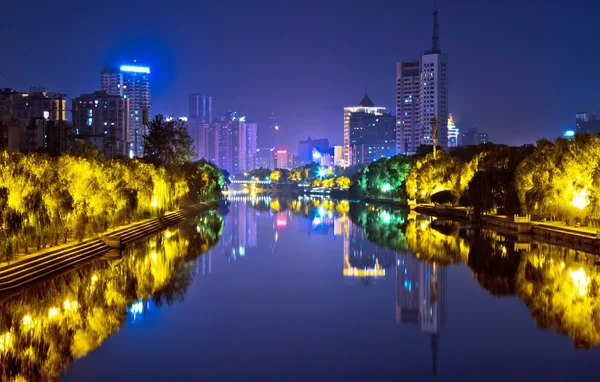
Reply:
x=235 y=143
x=369 y=133
x=201 y=107
x=408 y=89
x=418 y=106
x=103 y=120
x=132 y=82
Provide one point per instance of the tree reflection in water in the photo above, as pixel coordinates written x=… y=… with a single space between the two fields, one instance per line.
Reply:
x=44 y=328
x=560 y=286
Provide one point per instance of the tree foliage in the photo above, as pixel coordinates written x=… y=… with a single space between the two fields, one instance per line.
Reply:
x=561 y=178
x=168 y=143
x=44 y=201
x=383 y=177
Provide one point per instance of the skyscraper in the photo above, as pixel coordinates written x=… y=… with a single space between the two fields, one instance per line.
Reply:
x=416 y=109
x=132 y=82
x=201 y=107
x=369 y=133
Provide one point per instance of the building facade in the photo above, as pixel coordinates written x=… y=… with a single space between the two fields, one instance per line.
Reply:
x=265 y=158
x=369 y=133
x=417 y=107
x=103 y=120
x=33 y=122
x=132 y=82
x=587 y=122
x=283 y=159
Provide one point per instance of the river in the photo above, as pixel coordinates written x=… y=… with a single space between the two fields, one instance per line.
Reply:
x=312 y=289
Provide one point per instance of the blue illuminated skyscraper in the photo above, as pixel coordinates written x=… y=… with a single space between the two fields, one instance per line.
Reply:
x=132 y=82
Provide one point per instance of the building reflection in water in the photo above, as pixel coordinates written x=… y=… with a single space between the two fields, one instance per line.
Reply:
x=421 y=298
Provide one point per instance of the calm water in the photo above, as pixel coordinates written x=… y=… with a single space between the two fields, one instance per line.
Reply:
x=313 y=290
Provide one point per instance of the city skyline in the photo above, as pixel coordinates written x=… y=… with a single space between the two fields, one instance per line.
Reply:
x=324 y=83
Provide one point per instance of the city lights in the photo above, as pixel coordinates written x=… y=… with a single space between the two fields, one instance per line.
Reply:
x=135 y=69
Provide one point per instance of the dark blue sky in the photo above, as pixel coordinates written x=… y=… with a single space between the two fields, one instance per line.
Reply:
x=518 y=69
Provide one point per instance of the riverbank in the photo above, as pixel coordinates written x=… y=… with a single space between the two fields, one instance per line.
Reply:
x=579 y=238
x=36 y=266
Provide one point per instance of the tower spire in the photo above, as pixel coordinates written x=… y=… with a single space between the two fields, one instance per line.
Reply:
x=435 y=40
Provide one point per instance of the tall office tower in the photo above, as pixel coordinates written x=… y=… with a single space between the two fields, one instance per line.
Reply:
x=132 y=82
x=103 y=120
x=414 y=124
x=201 y=107
x=369 y=133
x=453 y=133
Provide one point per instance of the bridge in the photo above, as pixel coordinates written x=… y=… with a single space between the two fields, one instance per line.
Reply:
x=251 y=182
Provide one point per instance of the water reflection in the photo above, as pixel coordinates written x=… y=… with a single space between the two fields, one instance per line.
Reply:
x=560 y=286
x=44 y=328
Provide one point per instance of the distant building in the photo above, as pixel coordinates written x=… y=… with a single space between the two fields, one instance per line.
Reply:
x=338 y=156
x=586 y=121
x=251 y=132
x=33 y=121
x=422 y=95
x=369 y=133
x=306 y=148
x=283 y=159
x=265 y=158
x=132 y=82
x=198 y=130
x=453 y=133
x=473 y=137
x=201 y=107
x=102 y=119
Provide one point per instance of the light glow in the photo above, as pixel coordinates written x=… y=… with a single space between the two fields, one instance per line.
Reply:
x=580 y=200
x=135 y=69
x=581 y=280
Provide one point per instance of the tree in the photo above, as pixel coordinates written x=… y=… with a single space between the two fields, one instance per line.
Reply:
x=168 y=143
x=343 y=182
x=444 y=197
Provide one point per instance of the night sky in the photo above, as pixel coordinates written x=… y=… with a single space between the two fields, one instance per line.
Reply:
x=518 y=70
